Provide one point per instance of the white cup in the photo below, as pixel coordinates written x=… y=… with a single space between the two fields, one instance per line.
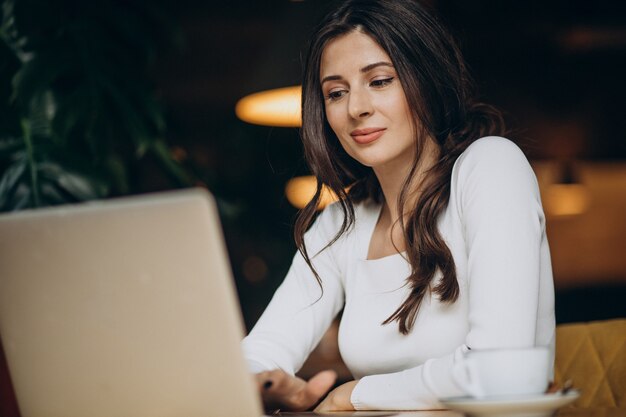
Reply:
x=504 y=372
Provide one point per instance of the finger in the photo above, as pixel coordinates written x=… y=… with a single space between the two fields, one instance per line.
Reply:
x=319 y=385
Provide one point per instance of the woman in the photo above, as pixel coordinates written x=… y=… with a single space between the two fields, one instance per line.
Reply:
x=437 y=244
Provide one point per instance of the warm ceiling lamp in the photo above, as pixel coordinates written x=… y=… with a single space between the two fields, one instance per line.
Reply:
x=301 y=190
x=566 y=199
x=279 y=107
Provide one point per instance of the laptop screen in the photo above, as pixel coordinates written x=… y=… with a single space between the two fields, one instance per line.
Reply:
x=122 y=307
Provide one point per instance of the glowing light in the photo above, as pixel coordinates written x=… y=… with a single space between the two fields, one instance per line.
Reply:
x=566 y=199
x=300 y=191
x=279 y=107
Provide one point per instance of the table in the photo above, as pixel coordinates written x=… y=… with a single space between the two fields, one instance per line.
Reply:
x=591 y=412
x=563 y=412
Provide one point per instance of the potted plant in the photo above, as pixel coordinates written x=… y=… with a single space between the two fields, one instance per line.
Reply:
x=78 y=114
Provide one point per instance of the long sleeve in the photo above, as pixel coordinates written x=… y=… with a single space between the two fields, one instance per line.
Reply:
x=495 y=197
x=504 y=232
x=299 y=313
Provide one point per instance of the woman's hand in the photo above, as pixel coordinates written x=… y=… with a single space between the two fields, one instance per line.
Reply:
x=338 y=399
x=280 y=390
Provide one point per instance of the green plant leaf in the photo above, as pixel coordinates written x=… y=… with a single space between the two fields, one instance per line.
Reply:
x=10 y=182
x=51 y=195
x=22 y=199
x=79 y=187
x=8 y=146
x=36 y=75
x=78 y=111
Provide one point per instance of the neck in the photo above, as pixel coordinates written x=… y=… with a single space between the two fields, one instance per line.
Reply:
x=392 y=178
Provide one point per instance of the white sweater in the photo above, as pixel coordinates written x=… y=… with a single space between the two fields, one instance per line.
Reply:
x=495 y=228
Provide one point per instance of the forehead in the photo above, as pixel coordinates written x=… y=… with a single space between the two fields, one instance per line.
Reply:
x=350 y=52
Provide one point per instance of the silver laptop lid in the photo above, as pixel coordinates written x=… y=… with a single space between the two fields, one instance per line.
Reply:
x=122 y=308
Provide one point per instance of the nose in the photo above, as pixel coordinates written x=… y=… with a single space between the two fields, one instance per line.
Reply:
x=359 y=104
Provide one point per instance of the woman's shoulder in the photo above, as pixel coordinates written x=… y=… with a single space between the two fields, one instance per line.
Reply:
x=495 y=165
x=333 y=215
x=493 y=146
x=491 y=153
x=330 y=221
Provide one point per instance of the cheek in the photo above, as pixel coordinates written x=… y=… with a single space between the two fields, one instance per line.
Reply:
x=396 y=104
x=335 y=122
x=398 y=108
x=333 y=119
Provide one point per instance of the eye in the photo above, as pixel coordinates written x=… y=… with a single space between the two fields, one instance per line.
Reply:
x=382 y=82
x=335 y=95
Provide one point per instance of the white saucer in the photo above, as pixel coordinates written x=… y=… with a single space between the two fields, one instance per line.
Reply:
x=527 y=406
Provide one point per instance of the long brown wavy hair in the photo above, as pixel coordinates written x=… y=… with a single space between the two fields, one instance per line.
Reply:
x=441 y=99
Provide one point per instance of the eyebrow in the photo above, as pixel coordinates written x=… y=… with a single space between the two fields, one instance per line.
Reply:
x=363 y=70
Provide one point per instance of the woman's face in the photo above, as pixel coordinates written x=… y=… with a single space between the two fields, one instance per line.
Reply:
x=365 y=103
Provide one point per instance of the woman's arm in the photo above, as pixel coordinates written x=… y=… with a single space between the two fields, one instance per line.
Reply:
x=296 y=319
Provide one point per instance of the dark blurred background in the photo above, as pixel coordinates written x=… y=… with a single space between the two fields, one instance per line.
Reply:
x=556 y=68
x=115 y=97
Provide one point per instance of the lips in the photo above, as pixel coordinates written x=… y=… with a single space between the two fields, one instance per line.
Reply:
x=364 y=136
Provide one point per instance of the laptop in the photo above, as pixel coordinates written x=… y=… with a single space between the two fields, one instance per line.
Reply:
x=123 y=308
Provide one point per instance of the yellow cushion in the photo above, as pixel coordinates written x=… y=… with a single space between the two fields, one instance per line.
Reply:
x=593 y=356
